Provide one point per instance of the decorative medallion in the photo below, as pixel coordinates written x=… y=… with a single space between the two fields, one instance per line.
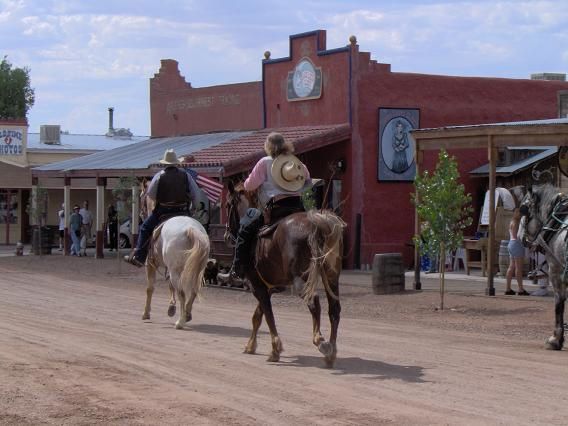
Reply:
x=304 y=82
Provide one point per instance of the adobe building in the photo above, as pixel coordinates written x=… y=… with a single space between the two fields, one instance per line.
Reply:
x=372 y=167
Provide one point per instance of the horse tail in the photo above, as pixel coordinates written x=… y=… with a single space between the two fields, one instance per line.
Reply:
x=196 y=259
x=326 y=246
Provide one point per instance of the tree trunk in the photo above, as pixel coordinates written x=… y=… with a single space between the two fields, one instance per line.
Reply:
x=442 y=269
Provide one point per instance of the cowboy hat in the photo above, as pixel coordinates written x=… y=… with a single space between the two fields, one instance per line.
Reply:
x=288 y=172
x=170 y=157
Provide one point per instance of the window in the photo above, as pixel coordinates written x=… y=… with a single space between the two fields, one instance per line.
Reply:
x=9 y=206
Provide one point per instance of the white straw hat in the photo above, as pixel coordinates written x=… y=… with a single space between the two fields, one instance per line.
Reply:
x=170 y=157
x=288 y=172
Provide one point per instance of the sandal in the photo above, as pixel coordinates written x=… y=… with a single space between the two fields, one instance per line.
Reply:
x=523 y=293
x=510 y=293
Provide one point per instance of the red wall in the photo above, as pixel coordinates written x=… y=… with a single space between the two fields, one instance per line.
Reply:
x=387 y=212
x=333 y=105
x=354 y=88
x=178 y=109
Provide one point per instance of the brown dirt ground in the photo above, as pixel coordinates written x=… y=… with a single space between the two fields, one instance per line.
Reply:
x=74 y=350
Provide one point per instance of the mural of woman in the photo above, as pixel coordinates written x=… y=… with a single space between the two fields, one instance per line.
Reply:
x=400 y=145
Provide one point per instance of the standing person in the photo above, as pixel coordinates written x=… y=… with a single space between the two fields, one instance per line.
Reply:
x=202 y=216
x=399 y=145
x=516 y=256
x=280 y=176
x=112 y=223
x=61 y=215
x=173 y=190
x=87 y=220
x=75 y=226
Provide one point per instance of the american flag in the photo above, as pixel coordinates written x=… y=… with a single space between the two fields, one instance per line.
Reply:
x=211 y=187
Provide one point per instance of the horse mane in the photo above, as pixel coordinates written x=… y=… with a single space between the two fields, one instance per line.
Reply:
x=545 y=198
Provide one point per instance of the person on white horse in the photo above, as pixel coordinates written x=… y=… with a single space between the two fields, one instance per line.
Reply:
x=172 y=190
x=280 y=177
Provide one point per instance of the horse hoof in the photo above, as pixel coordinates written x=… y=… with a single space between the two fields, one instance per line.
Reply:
x=171 y=310
x=188 y=317
x=249 y=350
x=179 y=326
x=325 y=348
x=273 y=358
x=145 y=317
x=552 y=344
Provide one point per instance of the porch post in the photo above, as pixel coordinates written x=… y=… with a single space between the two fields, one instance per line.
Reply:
x=418 y=155
x=67 y=208
x=135 y=213
x=101 y=184
x=492 y=154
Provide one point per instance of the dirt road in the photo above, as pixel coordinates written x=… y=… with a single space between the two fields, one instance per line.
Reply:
x=74 y=350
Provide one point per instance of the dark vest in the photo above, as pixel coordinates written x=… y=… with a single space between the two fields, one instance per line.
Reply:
x=173 y=188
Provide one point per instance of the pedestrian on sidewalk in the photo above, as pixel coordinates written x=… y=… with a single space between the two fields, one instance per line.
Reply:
x=516 y=257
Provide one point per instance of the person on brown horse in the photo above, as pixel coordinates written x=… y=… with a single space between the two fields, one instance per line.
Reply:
x=172 y=189
x=279 y=176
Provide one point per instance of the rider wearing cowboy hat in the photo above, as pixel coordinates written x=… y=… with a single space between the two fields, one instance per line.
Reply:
x=280 y=177
x=172 y=189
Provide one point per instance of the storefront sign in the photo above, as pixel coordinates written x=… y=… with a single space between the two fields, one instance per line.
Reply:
x=304 y=82
x=11 y=141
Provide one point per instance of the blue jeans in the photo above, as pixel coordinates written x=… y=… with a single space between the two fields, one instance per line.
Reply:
x=150 y=224
x=76 y=245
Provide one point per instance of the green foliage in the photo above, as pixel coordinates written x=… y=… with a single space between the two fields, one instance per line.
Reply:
x=308 y=199
x=16 y=95
x=443 y=207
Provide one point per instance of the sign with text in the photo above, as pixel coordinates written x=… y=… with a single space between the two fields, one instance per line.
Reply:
x=12 y=141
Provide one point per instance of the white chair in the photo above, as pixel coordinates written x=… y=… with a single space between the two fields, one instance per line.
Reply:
x=459 y=255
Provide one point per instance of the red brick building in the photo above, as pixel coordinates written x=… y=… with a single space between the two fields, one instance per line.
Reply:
x=342 y=87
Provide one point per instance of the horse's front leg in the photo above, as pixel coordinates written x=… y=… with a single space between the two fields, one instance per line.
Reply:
x=172 y=303
x=250 y=348
x=315 y=309
x=330 y=349
x=150 y=280
x=556 y=341
x=263 y=297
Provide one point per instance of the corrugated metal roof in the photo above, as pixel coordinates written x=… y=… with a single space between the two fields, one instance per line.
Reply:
x=521 y=165
x=550 y=122
x=81 y=142
x=141 y=154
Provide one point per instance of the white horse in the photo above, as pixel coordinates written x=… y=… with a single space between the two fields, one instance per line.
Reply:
x=181 y=245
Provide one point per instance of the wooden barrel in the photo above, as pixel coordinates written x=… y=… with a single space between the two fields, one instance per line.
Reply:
x=503 y=258
x=388 y=273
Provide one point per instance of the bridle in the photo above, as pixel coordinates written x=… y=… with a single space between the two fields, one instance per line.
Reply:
x=232 y=218
x=527 y=208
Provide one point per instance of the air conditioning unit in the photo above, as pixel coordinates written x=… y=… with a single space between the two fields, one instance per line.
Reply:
x=50 y=134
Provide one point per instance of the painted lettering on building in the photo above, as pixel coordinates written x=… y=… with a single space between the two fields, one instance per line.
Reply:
x=202 y=102
x=11 y=142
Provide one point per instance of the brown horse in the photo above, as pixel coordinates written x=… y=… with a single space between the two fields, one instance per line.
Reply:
x=303 y=251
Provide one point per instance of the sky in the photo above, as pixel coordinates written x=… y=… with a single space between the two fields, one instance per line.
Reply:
x=86 y=56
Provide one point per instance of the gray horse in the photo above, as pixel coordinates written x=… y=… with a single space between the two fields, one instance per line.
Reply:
x=544 y=226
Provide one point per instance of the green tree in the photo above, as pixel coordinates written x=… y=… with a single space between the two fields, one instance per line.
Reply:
x=444 y=211
x=16 y=94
